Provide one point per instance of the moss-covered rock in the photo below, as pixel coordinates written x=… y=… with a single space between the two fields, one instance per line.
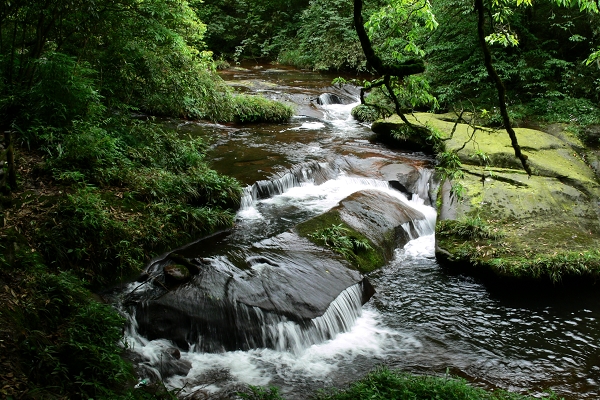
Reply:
x=369 y=216
x=176 y=274
x=549 y=221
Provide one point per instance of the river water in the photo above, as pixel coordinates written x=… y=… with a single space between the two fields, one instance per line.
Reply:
x=422 y=319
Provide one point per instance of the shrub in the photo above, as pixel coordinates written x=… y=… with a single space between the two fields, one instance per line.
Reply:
x=366 y=113
x=68 y=344
x=338 y=239
x=259 y=109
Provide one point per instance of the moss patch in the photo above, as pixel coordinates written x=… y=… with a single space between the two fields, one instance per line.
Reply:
x=550 y=221
x=364 y=260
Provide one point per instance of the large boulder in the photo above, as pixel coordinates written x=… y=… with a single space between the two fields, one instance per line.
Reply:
x=498 y=219
x=243 y=301
x=387 y=222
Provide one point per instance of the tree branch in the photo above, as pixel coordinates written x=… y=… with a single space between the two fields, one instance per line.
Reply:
x=409 y=67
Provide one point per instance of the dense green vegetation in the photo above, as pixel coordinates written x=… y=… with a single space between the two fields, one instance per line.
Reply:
x=329 y=230
x=102 y=186
x=386 y=384
x=548 y=66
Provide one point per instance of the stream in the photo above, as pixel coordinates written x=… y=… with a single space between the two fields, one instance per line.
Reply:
x=421 y=319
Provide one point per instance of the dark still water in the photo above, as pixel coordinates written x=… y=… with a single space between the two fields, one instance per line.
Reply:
x=421 y=319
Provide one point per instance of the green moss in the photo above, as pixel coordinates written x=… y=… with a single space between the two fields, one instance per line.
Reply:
x=256 y=108
x=364 y=259
x=553 y=252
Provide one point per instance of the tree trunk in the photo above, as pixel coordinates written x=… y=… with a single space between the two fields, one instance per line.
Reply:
x=10 y=160
x=487 y=59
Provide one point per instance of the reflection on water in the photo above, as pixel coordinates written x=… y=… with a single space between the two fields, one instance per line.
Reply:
x=517 y=341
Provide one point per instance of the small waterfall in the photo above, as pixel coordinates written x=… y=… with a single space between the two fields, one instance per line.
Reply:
x=313 y=172
x=329 y=98
x=155 y=357
x=284 y=335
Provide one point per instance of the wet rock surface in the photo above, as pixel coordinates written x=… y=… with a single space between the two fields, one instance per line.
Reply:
x=385 y=220
x=227 y=306
x=231 y=300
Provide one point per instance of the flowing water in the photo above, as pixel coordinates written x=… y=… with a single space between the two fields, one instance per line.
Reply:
x=421 y=319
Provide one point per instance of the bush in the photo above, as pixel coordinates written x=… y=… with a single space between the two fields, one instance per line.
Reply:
x=105 y=239
x=366 y=113
x=68 y=343
x=259 y=109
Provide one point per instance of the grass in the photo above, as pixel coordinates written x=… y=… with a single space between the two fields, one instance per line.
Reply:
x=328 y=230
x=468 y=228
x=388 y=384
x=518 y=253
x=339 y=239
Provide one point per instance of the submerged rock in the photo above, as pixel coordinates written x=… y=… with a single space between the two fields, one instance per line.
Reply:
x=176 y=274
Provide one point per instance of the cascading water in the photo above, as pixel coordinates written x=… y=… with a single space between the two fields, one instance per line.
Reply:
x=290 y=353
x=305 y=190
x=421 y=319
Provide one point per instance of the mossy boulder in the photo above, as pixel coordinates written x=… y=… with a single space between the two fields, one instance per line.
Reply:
x=176 y=274
x=383 y=221
x=547 y=224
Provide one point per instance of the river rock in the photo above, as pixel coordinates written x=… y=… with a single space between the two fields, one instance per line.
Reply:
x=175 y=274
x=239 y=306
x=545 y=226
x=387 y=222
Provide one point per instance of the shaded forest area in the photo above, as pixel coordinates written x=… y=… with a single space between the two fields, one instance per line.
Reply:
x=93 y=185
x=540 y=50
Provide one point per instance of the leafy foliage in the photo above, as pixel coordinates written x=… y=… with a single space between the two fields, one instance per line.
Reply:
x=327 y=36
x=539 y=67
x=367 y=113
x=260 y=393
x=250 y=29
x=336 y=237
x=69 y=342
x=260 y=109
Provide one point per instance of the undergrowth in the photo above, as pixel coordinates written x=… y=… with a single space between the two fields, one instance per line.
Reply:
x=366 y=113
x=468 y=228
x=386 y=384
x=478 y=244
x=102 y=199
x=66 y=343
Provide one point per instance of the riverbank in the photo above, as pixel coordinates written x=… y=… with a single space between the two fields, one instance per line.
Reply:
x=69 y=228
x=494 y=220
